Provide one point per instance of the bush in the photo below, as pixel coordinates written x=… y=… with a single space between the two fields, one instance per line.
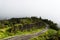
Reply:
x=50 y=34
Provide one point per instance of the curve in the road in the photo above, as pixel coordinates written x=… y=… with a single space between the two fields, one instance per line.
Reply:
x=27 y=37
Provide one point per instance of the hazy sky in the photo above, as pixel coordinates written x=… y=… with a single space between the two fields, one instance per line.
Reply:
x=49 y=9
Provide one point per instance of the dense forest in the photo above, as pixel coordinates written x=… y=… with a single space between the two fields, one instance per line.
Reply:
x=15 y=26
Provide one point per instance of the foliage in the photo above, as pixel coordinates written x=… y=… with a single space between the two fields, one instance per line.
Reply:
x=49 y=35
x=19 y=26
x=25 y=25
x=51 y=24
x=58 y=33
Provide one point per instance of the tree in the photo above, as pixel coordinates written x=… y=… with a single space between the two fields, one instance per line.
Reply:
x=51 y=24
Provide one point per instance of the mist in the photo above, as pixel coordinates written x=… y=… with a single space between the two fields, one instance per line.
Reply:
x=47 y=9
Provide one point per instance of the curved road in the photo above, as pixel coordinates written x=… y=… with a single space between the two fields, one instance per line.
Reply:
x=27 y=37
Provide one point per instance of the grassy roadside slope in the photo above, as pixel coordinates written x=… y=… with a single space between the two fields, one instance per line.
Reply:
x=51 y=34
x=20 y=26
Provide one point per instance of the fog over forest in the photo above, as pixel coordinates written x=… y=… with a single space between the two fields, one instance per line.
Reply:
x=47 y=9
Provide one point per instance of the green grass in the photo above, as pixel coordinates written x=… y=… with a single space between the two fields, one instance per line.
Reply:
x=47 y=35
x=4 y=34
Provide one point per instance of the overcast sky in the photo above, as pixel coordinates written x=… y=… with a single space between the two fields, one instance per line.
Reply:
x=49 y=9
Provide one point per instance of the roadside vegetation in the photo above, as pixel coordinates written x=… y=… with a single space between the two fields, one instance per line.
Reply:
x=51 y=34
x=25 y=26
x=20 y=26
